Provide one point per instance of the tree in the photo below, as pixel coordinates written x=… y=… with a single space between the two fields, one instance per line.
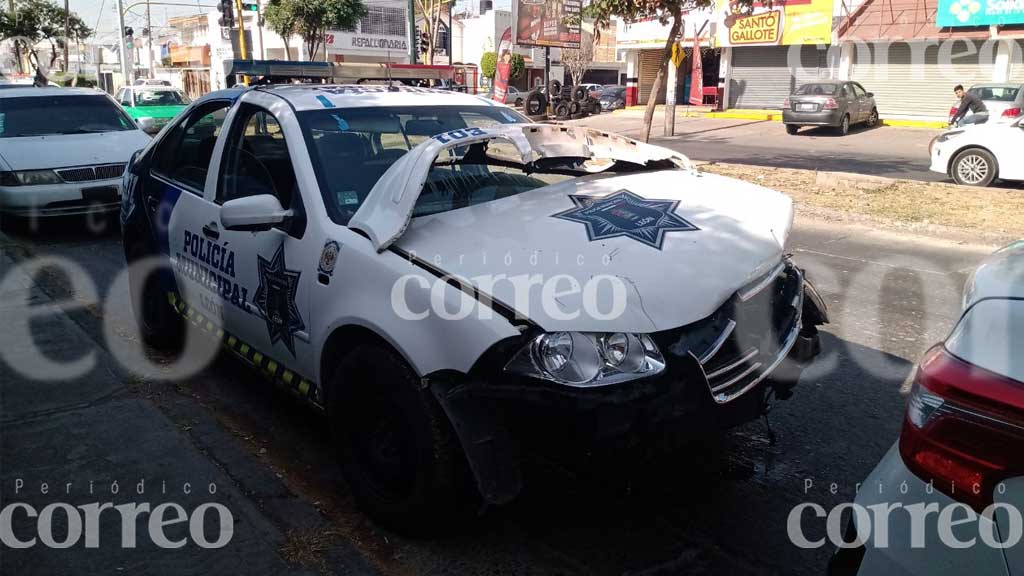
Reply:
x=517 y=66
x=578 y=61
x=431 y=12
x=279 y=17
x=311 y=19
x=488 y=64
x=32 y=21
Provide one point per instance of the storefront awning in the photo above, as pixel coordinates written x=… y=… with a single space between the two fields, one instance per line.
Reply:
x=900 y=20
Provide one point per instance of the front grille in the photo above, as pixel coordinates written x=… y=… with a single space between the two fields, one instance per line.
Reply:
x=90 y=173
x=746 y=338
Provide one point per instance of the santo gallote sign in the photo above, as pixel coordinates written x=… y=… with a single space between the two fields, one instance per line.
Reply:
x=548 y=23
x=775 y=24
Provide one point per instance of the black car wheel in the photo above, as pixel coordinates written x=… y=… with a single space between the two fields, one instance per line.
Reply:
x=844 y=126
x=160 y=325
x=562 y=110
x=974 y=167
x=396 y=447
x=519 y=102
x=792 y=129
x=873 y=118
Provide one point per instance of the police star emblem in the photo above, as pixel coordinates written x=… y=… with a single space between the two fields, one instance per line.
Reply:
x=275 y=299
x=625 y=214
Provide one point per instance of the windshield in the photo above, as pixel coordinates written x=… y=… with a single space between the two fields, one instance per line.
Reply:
x=47 y=115
x=817 y=90
x=351 y=148
x=613 y=92
x=160 y=98
x=996 y=93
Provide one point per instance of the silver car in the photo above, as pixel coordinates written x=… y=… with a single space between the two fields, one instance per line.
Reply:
x=959 y=451
x=834 y=103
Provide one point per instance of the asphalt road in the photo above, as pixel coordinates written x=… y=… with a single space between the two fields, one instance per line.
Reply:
x=882 y=151
x=720 y=509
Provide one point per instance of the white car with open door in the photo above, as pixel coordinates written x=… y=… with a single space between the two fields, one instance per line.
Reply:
x=451 y=285
x=979 y=154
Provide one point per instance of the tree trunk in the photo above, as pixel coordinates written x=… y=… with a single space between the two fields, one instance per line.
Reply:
x=287 y=48
x=652 y=100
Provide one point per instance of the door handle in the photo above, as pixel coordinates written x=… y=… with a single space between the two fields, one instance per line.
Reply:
x=211 y=231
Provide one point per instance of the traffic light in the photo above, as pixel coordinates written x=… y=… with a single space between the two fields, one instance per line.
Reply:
x=250 y=7
x=227 y=10
x=129 y=40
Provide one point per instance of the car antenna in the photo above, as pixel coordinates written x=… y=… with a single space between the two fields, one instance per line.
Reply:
x=387 y=66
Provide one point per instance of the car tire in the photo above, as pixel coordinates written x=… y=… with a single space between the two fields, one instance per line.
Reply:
x=873 y=118
x=579 y=93
x=159 y=324
x=974 y=167
x=792 y=129
x=396 y=447
x=562 y=110
x=844 y=126
x=575 y=108
x=555 y=89
x=535 y=104
x=519 y=102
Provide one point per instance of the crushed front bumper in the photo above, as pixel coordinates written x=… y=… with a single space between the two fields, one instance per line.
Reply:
x=719 y=373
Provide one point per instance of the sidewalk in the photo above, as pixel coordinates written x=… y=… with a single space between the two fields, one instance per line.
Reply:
x=69 y=442
x=683 y=111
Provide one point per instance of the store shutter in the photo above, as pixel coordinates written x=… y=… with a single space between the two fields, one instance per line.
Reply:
x=902 y=88
x=650 y=60
x=762 y=76
x=1017 y=63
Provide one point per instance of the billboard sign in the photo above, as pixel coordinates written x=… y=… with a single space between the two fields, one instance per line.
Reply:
x=960 y=13
x=783 y=24
x=548 y=23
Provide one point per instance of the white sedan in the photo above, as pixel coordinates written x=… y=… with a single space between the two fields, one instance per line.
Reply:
x=947 y=498
x=63 y=151
x=452 y=285
x=979 y=154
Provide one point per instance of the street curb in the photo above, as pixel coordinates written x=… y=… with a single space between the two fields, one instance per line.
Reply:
x=776 y=116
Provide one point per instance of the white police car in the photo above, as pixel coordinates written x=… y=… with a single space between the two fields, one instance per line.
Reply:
x=451 y=285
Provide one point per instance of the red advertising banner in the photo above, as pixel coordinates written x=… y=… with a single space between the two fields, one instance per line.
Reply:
x=697 y=76
x=552 y=23
x=501 y=74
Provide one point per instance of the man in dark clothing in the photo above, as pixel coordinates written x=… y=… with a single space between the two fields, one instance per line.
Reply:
x=970 y=102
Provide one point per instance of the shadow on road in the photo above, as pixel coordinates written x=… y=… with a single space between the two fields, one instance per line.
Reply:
x=719 y=507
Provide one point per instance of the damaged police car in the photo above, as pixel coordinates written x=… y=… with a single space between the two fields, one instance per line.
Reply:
x=454 y=287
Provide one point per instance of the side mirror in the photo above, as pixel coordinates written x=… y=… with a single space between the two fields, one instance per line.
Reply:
x=253 y=213
x=871 y=94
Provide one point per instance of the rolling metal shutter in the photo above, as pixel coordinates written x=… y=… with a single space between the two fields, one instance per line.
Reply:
x=902 y=88
x=1017 y=66
x=762 y=78
x=649 y=62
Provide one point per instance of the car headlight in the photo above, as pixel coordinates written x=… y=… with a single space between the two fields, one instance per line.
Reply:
x=588 y=359
x=949 y=135
x=37 y=177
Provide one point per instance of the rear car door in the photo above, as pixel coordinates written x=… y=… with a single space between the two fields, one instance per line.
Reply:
x=847 y=94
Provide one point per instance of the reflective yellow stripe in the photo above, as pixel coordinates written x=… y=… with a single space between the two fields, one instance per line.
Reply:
x=232 y=341
x=287 y=377
x=304 y=386
x=244 y=349
x=257 y=358
x=272 y=367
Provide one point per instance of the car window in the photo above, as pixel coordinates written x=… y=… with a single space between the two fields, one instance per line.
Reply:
x=184 y=154
x=122 y=97
x=858 y=91
x=160 y=98
x=995 y=93
x=817 y=90
x=456 y=182
x=352 y=148
x=51 y=115
x=256 y=159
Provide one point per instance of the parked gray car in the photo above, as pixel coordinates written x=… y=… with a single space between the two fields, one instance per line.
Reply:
x=835 y=103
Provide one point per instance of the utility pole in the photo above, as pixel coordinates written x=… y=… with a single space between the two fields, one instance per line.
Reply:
x=412 y=32
x=259 y=25
x=67 y=34
x=149 y=40
x=241 y=28
x=125 y=73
